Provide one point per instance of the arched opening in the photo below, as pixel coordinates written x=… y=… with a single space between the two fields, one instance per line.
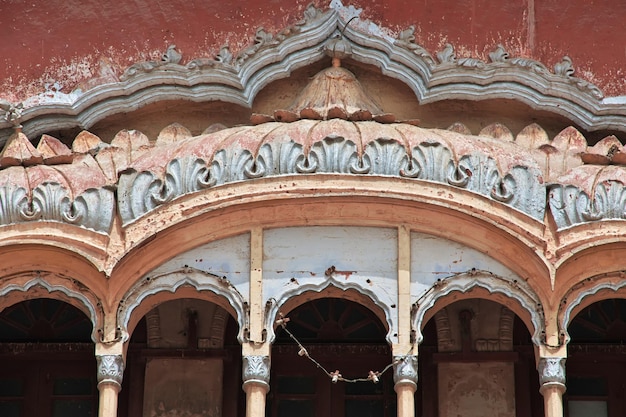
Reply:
x=477 y=359
x=183 y=359
x=596 y=362
x=340 y=335
x=47 y=361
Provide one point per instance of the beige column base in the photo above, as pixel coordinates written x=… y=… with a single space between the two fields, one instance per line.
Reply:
x=256 y=391
x=405 y=391
x=108 y=398
x=553 y=398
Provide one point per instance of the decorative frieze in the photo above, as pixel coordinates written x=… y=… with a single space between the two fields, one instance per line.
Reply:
x=570 y=205
x=521 y=187
x=93 y=209
x=110 y=369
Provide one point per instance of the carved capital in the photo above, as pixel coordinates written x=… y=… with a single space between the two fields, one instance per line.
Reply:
x=405 y=370
x=256 y=369
x=551 y=371
x=110 y=369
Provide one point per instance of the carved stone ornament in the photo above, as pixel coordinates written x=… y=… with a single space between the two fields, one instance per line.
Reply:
x=551 y=371
x=405 y=369
x=237 y=79
x=256 y=369
x=110 y=369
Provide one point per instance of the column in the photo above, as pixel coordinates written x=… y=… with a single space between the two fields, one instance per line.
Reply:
x=110 y=362
x=256 y=383
x=552 y=384
x=405 y=383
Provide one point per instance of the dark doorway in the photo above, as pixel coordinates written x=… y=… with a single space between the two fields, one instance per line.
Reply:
x=340 y=335
x=47 y=362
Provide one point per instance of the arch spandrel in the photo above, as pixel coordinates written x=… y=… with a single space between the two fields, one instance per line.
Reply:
x=441 y=268
x=218 y=271
x=300 y=260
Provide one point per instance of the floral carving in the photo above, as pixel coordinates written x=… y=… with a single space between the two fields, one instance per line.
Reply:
x=170 y=56
x=110 y=369
x=405 y=369
x=570 y=205
x=521 y=187
x=256 y=368
x=551 y=370
x=93 y=209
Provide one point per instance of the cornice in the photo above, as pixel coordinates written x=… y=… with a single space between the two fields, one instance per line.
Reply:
x=238 y=79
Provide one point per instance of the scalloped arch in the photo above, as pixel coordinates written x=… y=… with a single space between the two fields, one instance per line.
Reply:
x=171 y=282
x=517 y=290
x=276 y=303
x=273 y=56
x=86 y=301
x=605 y=287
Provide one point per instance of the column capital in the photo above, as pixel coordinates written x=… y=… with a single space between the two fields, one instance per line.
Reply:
x=405 y=370
x=110 y=369
x=551 y=371
x=256 y=370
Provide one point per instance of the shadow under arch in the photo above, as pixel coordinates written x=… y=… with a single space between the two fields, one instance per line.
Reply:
x=594 y=289
x=329 y=289
x=46 y=285
x=481 y=284
x=187 y=283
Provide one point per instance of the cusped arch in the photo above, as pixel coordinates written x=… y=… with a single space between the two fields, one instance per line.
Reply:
x=28 y=286
x=186 y=283
x=331 y=287
x=586 y=293
x=482 y=284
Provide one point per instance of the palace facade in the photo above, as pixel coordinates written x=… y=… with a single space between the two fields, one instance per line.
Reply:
x=327 y=219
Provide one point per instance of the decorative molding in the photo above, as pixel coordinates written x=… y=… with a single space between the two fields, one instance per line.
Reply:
x=405 y=370
x=570 y=205
x=256 y=370
x=551 y=371
x=72 y=289
x=273 y=305
x=445 y=342
x=521 y=187
x=507 y=319
x=515 y=289
x=110 y=369
x=172 y=281
x=237 y=79
x=93 y=209
x=576 y=294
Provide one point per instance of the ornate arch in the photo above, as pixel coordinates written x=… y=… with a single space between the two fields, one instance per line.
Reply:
x=515 y=289
x=331 y=282
x=48 y=285
x=587 y=292
x=171 y=282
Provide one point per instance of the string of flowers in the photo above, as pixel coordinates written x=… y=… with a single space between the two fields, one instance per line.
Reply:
x=373 y=376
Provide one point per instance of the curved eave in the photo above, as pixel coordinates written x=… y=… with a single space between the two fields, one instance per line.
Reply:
x=240 y=79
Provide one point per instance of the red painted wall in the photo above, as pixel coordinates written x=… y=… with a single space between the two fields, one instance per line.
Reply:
x=63 y=43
